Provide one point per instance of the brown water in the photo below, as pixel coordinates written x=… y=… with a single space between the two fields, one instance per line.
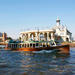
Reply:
x=37 y=63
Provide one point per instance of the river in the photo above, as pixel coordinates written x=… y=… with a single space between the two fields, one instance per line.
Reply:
x=37 y=63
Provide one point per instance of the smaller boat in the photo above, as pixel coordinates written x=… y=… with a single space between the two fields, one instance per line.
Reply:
x=37 y=46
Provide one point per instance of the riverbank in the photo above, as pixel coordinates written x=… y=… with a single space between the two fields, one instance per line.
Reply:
x=71 y=44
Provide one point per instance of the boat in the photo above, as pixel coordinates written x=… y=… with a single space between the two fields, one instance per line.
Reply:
x=37 y=46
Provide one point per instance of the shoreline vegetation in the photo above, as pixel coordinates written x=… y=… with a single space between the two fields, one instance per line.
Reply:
x=71 y=44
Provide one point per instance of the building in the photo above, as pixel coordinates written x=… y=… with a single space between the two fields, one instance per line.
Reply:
x=3 y=37
x=37 y=35
x=61 y=32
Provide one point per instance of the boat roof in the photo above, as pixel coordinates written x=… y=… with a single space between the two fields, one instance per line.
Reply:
x=33 y=31
x=35 y=42
x=31 y=42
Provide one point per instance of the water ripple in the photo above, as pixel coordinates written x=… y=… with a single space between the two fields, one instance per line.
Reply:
x=36 y=63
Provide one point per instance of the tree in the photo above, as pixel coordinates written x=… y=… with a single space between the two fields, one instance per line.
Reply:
x=9 y=38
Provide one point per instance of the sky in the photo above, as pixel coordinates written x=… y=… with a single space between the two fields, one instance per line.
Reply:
x=20 y=15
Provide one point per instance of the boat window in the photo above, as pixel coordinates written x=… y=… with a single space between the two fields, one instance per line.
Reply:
x=16 y=45
x=37 y=44
x=33 y=45
x=40 y=44
x=44 y=45
x=47 y=46
x=30 y=45
x=25 y=45
x=12 y=46
x=9 y=45
x=20 y=46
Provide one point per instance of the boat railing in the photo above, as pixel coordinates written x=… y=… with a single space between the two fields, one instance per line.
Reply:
x=31 y=45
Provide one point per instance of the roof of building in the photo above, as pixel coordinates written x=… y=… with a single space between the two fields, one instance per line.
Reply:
x=33 y=31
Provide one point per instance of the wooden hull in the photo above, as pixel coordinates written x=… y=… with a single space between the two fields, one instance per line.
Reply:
x=62 y=48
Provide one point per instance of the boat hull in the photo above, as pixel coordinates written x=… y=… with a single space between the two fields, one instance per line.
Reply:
x=62 y=48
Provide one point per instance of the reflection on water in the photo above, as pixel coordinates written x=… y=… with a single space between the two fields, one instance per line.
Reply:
x=37 y=63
